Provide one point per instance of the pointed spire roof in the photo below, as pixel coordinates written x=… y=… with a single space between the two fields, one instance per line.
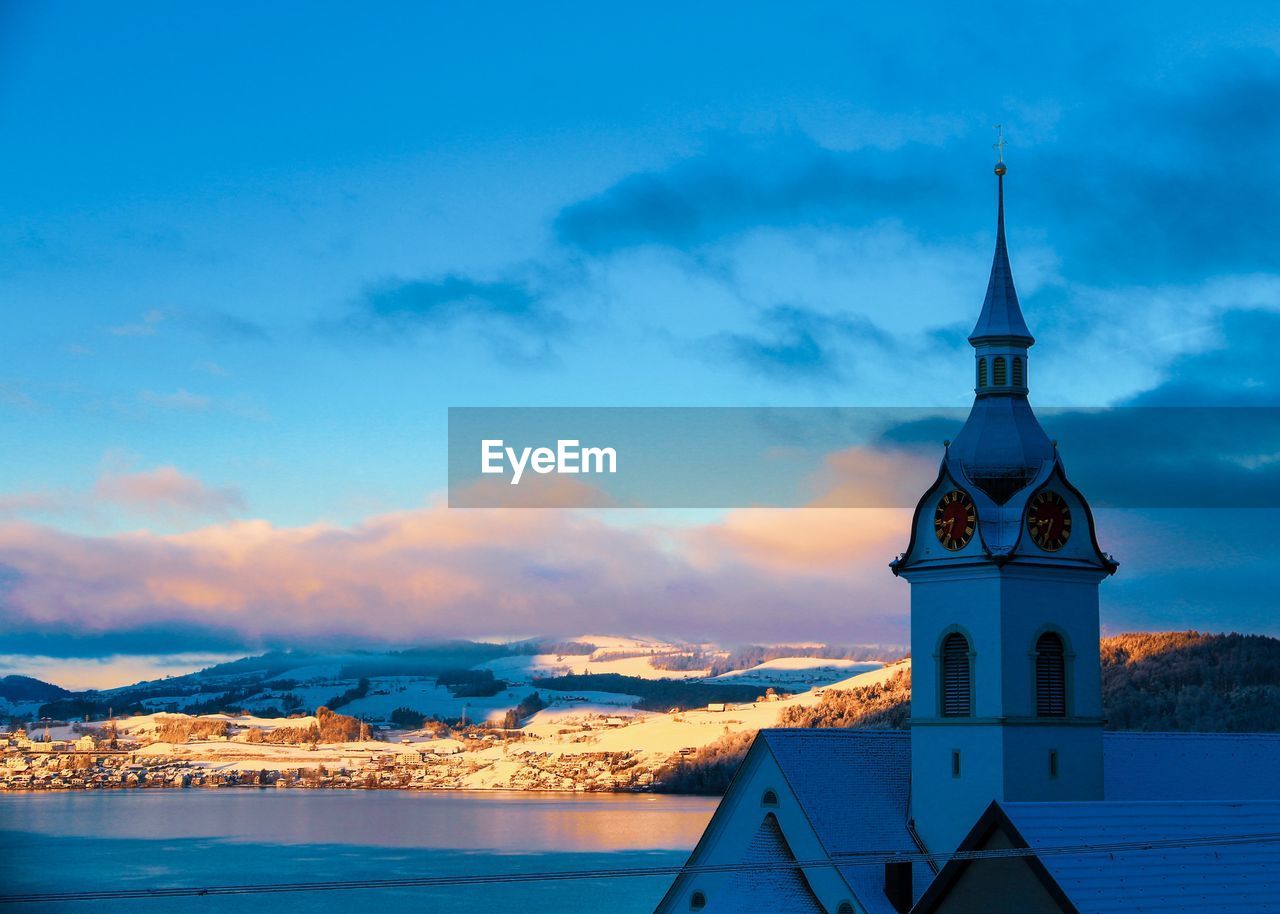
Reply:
x=1001 y=316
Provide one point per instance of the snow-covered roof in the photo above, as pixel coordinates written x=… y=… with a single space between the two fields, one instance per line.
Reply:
x=1223 y=877
x=854 y=787
x=1191 y=766
x=773 y=888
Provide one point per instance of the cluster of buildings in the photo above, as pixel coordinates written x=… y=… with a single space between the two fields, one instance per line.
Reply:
x=89 y=762
x=588 y=771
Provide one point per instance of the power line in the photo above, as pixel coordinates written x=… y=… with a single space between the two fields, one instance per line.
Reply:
x=841 y=860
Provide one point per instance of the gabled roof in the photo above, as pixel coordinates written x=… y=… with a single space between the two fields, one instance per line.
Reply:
x=774 y=888
x=1182 y=872
x=854 y=787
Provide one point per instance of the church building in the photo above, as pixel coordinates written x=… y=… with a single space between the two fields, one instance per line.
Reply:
x=1005 y=796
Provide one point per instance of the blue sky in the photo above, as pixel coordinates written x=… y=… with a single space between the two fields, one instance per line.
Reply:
x=251 y=255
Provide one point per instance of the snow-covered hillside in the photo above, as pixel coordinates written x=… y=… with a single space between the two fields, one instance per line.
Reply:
x=796 y=674
x=558 y=748
x=456 y=681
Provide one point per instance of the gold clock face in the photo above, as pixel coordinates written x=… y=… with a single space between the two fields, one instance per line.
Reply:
x=954 y=520
x=1049 y=520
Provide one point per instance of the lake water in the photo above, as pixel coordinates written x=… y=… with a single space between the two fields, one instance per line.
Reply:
x=128 y=839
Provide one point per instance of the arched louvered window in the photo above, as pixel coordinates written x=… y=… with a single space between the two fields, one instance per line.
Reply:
x=1019 y=379
x=697 y=901
x=1051 y=676
x=957 y=677
x=845 y=908
x=982 y=373
x=1000 y=371
x=769 y=799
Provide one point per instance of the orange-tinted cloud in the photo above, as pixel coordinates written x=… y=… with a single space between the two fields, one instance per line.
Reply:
x=863 y=477
x=437 y=572
x=165 y=490
x=822 y=541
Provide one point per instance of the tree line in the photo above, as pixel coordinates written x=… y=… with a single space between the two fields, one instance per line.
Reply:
x=1152 y=681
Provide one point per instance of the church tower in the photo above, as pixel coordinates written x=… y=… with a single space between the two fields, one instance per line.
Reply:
x=1004 y=568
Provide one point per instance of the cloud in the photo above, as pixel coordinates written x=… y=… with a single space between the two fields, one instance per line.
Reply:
x=800 y=343
x=1167 y=193
x=1150 y=457
x=749 y=575
x=1241 y=371
x=806 y=541
x=535 y=491
x=212 y=368
x=1211 y=569
x=441 y=573
x=109 y=671
x=180 y=399
x=752 y=575
x=165 y=490
x=222 y=327
x=14 y=396
x=162 y=492
x=59 y=640
x=213 y=325
x=186 y=401
x=1170 y=193
x=779 y=181
x=17 y=504
x=517 y=324
x=150 y=322
x=397 y=306
x=774 y=220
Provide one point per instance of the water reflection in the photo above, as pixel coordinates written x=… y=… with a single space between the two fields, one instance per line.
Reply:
x=458 y=820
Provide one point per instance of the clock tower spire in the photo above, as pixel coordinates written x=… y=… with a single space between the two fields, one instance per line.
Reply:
x=1004 y=568
x=1001 y=332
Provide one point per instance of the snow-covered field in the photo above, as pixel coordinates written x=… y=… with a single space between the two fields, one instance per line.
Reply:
x=796 y=674
x=663 y=734
x=603 y=659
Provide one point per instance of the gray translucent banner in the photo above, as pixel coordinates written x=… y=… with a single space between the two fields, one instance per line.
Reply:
x=855 y=457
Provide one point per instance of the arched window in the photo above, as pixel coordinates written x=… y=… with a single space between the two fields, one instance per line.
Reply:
x=769 y=799
x=957 y=678
x=1051 y=676
x=1000 y=372
x=1018 y=379
x=845 y=908
x=697 y=901
x=982 y=373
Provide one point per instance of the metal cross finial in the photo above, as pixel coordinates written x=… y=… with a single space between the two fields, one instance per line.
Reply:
x=999 y=144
